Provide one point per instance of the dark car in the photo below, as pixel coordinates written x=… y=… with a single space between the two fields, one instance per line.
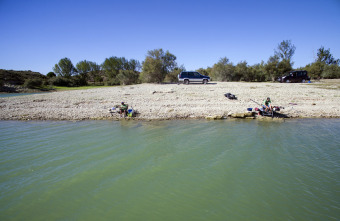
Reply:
x=192 y=76
x=295 y=77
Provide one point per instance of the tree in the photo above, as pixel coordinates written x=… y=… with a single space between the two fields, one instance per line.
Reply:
x=325 y=56
x=134 y=65
x=65 y=68
x=152 y=70
x=285 y=50
x=242 y=72
x=283 y=67
x=111 y=66
x=83 y=67
x=157 y=65
x=331 y=71
x=258 y=71
x=173 y=75
x=315 y=69
x=127 y=77
x=95 y=72
x=223 y=70
x=51 y=74
x=271 y=67
x=203 y=71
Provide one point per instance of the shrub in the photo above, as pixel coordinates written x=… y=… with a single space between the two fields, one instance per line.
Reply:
x=61 y=81
x=51 y=74
x=33 y=83
x=111 y=82
x=78 y=81
x=331 y=71
x=127 y=77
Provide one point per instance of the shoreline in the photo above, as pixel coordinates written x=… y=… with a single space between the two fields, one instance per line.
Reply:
x=176 y=101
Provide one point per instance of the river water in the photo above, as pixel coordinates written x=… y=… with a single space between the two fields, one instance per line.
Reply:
x=170 y=170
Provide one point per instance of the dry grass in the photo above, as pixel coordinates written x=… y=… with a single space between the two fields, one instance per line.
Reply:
x=332 y=84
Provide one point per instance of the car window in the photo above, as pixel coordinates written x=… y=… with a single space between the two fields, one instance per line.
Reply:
x=190 y=74
x=197 y=74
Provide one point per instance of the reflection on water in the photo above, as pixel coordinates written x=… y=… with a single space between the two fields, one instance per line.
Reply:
x=170 y=170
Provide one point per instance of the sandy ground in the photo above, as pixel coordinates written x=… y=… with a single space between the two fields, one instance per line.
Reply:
x=173 y=101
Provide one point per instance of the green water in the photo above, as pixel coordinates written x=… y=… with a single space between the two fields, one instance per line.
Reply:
x=18 y=94
x=170 y=170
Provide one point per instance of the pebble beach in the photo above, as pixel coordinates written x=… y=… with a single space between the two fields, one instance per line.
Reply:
x=176 y=101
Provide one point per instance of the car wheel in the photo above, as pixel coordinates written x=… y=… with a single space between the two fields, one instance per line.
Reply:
x=287 y=81
x=205 y=81
x=186 y=81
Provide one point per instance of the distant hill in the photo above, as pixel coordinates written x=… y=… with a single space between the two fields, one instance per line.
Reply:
x=18 y=77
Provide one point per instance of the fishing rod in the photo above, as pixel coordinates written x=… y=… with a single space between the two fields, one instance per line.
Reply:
x=256 y=102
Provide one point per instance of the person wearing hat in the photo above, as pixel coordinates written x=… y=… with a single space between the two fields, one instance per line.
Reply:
x=123 y=109
x=267 y=104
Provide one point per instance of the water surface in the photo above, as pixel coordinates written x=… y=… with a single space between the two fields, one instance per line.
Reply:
x=170 y=170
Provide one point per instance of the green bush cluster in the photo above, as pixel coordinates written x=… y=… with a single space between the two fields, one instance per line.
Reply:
x=33 y=83
x=160 y=66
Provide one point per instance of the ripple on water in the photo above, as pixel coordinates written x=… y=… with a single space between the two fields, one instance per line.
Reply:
x=170 y=170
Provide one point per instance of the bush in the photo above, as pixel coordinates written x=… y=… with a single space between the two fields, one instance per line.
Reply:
x=78 y=81
x=61 y=81
x=127 y=77
x=111 y=82
x=173 y=75
x=331 y=72
x=33 y=83
x=51 y=75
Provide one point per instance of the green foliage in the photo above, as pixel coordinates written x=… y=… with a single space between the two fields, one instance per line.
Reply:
x=127 y=77
x=325 y=65
x=112 y=82
x=258 y=72
x=51 y=74
x=223 y=70
x=19 y=77
x=157 y=65
x=173 y=75
x=285 y=50
x=79 y=80
x=315 y=69
x=95 y=72
x=2 y=83
x=33 y=83
x=283 y=67
x=152 y=71
x=83 y=67
x=112 y=67
x=242 y=72
x=62 y=81
x=65 y=68
x=331 y=71
x=325 y=57
x=204 y=71
x=275 y=68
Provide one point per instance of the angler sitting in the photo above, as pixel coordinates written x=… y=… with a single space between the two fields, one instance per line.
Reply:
x=267 y=105
x=123 y=109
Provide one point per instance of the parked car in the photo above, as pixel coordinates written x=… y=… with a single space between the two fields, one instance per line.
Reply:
x=192 y=76
x=295 y=76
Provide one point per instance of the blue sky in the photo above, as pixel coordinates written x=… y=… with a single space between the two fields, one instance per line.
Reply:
x=36 y=34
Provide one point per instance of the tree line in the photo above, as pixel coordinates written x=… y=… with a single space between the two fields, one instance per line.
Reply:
x=161 y=66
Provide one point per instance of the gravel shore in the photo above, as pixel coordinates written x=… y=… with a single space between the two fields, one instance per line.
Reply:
x=176 y=101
